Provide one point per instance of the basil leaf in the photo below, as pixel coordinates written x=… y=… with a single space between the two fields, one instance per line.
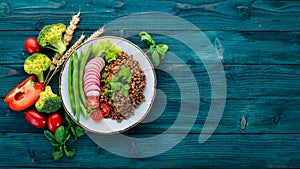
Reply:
x=70 y=122
x=70 y=153
x=49 y=135
x=155 y=58
x=147 y=38
x=162 y=49
x=59 y=134
x=54 y=144
x=79 y=131
x=57 y=155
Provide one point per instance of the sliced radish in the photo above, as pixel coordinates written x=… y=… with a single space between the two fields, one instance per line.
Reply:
x=93 y=93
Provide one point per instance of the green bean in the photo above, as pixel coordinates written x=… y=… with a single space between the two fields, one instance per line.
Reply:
x=83 y=59
x=70 y=85
x=75 y=84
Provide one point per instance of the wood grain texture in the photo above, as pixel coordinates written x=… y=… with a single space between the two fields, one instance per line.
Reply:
x=207 y=15
x=232 y=151
x=273 y=116
x=243 y=81
x=257 y=41
x=238 y=47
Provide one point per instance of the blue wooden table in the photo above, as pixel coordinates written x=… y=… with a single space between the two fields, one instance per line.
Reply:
x=257 y=43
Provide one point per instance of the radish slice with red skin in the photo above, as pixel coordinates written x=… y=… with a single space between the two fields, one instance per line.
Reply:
x=92 y=87
x=96 y=86
x=92 y=75
x=91 y=81
x=93 y=93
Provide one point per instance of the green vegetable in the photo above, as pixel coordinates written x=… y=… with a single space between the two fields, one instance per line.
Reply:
x=51 y=36
x=61 y=136
x=119 y=83
x=36 y=64
x=83 y=59
x=70 y=84
x=48 y=102
x=107 y=50
x=75 y=84
x=158 y=51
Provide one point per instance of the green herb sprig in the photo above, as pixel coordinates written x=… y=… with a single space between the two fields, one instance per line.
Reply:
x=119 y=83
x=158 y=52
x=61 y=136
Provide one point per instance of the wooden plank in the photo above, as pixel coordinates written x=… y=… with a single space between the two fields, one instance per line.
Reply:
x=234 y=151
x=243 y=81
x=239 y=117
x=235 y=47
x=207 y=15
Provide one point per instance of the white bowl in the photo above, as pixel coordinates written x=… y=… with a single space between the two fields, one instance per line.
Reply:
x=108 y=126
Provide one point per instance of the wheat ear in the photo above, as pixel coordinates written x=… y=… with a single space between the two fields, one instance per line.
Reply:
x=65 y=56
x=95 y=34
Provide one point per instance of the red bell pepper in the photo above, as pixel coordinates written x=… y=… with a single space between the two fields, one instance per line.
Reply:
x=24 y=95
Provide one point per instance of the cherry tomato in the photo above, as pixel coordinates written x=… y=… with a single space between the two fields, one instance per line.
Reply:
x=92 y=102
x=105 y=109
x=24 y=95
x=54 y=121
x=97 y=115
x=31 y=45
x=35 y=118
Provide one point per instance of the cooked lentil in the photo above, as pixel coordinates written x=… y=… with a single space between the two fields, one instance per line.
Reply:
x=123 y=107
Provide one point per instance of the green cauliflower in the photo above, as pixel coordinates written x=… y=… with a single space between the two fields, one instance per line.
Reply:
x=48 y=102
x=51 y=36
x=36 y=64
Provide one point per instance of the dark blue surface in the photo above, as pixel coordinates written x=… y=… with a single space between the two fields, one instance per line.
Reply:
x=260 y=46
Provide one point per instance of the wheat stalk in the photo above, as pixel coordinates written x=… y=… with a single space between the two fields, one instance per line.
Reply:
x=71 y=28
x=67 y=39
x=95 y=34
x=65 y=56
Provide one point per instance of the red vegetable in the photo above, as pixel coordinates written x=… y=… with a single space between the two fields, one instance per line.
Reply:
x=35 y=118
x=24 y=95
x=97 y=115
x=54 y=121
x=105 y=109
x=31 y=45
x=93 y=102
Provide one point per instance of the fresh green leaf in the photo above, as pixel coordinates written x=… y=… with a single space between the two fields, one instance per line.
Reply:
x=54 y=144
x=162 y=49
x=79 y=131
x=124 y=92
x=69 y=121
x=155 y=58
x=73 y=132
x=70 y=153
x=125 y=74
x=57 y=155
x=147 y=38
x=158 y=52
x=108 y=92
x=59 y=134
x=49 y=135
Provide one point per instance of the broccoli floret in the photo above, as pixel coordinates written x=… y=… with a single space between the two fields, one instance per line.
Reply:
x=48 y=102
x=51 y=36
x=36 y=64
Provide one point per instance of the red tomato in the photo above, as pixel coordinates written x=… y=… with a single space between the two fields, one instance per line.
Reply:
x=35 y=118
x=105 y=109
x=24 y=95
x=97 y=115
x=31 y=45
x=54 y=121
x=92 y=102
